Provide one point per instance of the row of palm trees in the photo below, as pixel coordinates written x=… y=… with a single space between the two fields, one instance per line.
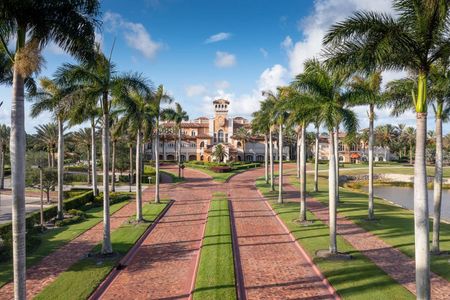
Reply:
x=356 y=51
x=91 y=90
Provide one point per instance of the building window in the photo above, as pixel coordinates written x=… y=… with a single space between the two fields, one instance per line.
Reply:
x=193 y=145
x=215 y=137
x=354 y=147
x=202 y=145
x=220 y=136
x=226 y=138
x=193 y=133
x=239 y=144
x=340 y=146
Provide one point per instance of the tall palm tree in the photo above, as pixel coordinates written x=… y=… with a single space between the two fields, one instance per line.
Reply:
x=261 y=125
x=219 y=153
x=325 y=87
x=116 y=135
x=54 y=98
x=317 y=123
x=414 y=39
x=302 y=111
x=178 y=115
x=279 y=115
x=137 y=111
x=33 y=24
x=83 y=111
x=98 y=78
x=160 y=97
x=267 y=112
x=4 y=140
x=367 y=91
x=47 y=136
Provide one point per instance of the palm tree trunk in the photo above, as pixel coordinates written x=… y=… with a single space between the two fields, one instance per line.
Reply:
x=17 y=152
x=131 y=164
x=371 y=213
x=2 y=167
x=272 y=184
x=410 y=154
x=106 y=245
x=298 y=164
x=138 y=177
x=89 y=165
x=421 y=226
x=280 y=162
x=94 y=159
x=113 y=167
x=437 y=187
x=179 y=152
x=60 y=213
x=332 y=195
x=157 y=199
x=336 y=149
x=303 y=174
x=316 y=161
x=266 y=156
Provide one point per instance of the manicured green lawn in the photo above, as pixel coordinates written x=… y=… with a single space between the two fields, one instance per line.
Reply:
x=174 y=177
x=219 y=177
x=358 y=278
x=55 y=238
x=395 y=225
x=215 y=276
x=81 y=279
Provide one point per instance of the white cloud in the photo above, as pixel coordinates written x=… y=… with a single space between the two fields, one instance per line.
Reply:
x=225 y=59
x=135 y=34
x=273 y=77
x=264 y=52
x=195 y=90
x=314 y=27
x=221 y=36
x=222 y=84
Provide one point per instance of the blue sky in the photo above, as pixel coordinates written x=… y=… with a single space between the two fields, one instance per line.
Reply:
x=201 y=50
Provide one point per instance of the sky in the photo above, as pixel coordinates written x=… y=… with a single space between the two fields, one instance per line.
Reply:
x=201 y=50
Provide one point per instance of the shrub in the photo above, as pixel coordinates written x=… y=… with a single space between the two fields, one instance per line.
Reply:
x=220 y=169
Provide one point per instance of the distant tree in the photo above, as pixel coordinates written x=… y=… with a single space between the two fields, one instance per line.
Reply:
x=219 y=153
x=4 y=142
x=49 y=180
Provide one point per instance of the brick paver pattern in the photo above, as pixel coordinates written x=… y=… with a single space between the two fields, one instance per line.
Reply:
x=273 y=266
x=399 y=266
x=164 y=265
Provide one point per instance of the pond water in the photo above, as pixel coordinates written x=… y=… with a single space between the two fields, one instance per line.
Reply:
x=404 y=196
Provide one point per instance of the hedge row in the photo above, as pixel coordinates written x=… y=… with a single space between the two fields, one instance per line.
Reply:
x=33 y=218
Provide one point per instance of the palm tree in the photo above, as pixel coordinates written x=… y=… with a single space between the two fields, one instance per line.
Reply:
x=136 y=109
x=116 y=135
x=414 y=39
x=367 y=91
x=279 y=115
x=316 y=154
x=178 y=115
x=97 y=79
x=219 y=153
x=83 y=111
x=261 y=124
x=242 y=135
x=267 y=113
x=33 y=24
x=47 y=136
x=82 y=138
x=159 y=97
x=299 y=105
x=325 y=87
x=56 y=99
x=4 y=141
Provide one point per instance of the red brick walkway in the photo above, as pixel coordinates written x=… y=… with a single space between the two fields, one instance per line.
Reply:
x=163 y=267
x=50 y=267
x=396 y=264
x=272 y=263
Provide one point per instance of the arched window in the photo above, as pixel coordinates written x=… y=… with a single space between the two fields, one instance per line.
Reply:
x=220 y=136
x=239 y=144
x=202 y=145
x=193 y=133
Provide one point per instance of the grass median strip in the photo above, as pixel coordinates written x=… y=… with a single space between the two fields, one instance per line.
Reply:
x=394 y=225
x=55 y=238
x=358 y=278
x=81 y=279
x=215 y=277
